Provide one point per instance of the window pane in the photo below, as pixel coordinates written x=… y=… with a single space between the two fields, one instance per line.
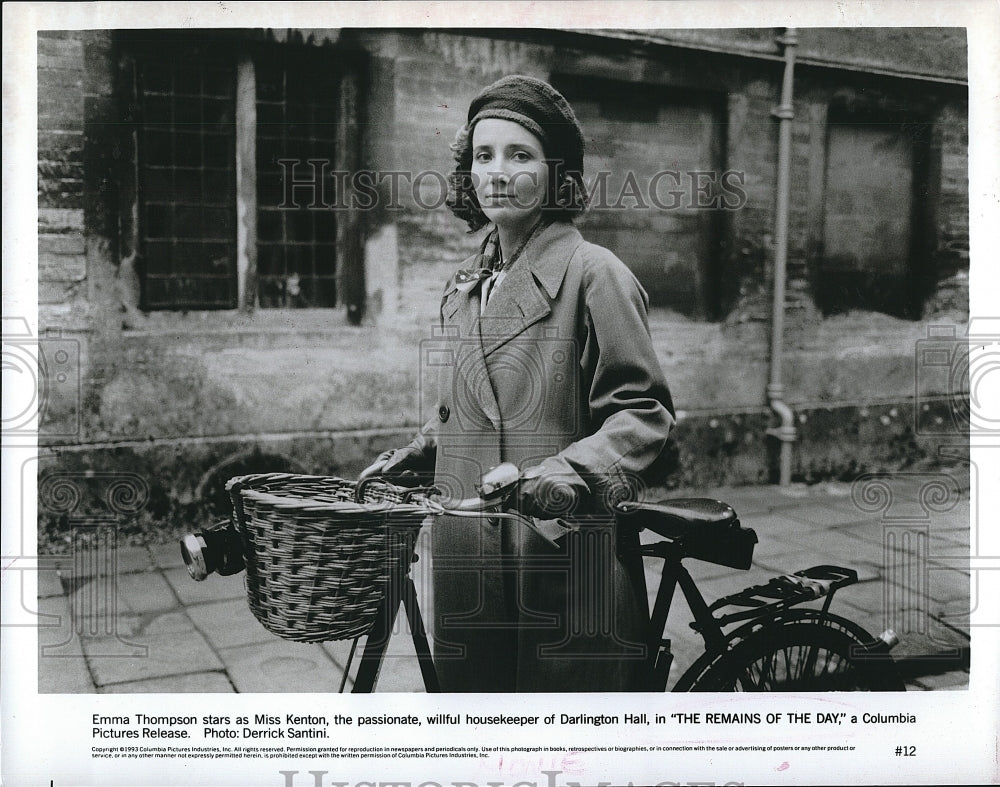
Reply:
x=219 y=82
x=159 y=109
x=157 y=257
x=219 y=150
x=217 y=115
x=157 y=78
x=187 y=179
x=270 y=260
x=158 y=185
x=159 y=221
x=296 y=114
x=269 y=226
x=187 y=186
x=187 y=112
x=157 y=148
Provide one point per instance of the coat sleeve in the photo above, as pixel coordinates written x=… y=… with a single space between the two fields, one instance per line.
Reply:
x=628 y=404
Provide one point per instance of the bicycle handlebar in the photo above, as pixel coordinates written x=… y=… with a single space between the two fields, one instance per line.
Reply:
x=495 y=486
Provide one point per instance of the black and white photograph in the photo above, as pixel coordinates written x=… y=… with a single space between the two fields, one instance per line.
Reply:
x=499 y=393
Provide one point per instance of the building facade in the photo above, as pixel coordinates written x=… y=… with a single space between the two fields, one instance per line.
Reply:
x=242 y=238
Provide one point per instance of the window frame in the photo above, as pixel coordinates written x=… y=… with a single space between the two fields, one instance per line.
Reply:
x=853 y=106
x=245 y=51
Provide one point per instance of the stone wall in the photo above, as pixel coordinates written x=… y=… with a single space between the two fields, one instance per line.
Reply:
x=185 y=394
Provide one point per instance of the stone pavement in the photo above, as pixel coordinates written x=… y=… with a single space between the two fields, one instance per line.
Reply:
x=132 y=620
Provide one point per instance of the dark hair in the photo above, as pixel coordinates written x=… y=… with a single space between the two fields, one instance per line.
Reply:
x=565 y=194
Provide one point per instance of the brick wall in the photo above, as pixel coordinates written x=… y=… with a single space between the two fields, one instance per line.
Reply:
x=62 y=261
x=950 y=291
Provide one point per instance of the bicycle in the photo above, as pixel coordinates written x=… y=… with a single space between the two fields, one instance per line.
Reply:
x=365 y=579
x=777 y=647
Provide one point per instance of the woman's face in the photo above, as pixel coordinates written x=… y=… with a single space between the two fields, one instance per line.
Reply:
x=509 y=172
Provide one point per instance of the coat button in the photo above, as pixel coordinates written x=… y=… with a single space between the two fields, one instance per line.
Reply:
x=444 y=413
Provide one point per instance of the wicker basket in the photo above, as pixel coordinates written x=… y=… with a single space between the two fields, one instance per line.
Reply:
x=318 y=562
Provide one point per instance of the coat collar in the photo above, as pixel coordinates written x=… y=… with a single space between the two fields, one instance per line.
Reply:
x=548 y=254
x=520 y=300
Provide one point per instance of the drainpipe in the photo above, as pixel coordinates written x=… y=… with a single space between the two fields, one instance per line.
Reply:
x=785 y=433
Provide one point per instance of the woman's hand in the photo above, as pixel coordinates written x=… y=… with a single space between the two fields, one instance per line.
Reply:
x=376 y=467
x=411 y=460
x=547 y=494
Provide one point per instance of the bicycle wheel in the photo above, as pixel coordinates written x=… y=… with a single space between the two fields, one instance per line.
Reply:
x=806 y=651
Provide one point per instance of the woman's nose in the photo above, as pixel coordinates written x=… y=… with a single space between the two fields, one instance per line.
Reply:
x=498 y=176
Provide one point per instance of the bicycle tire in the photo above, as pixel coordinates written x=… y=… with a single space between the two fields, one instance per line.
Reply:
x=802 y=652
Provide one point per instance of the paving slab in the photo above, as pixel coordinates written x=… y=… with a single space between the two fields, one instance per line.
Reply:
x=400 y=667
x=950 y=544
x=102 y=604
x=871 y=533
x=955 y=680
x=49 y=581
x=823 y=515
x=166 y=555
x=146 y=592
x=281 y=666
x=214 y=588
x=774 y=526
x=228 y=624
x=196 y=683
x=149 y=647
x=746 y=501
x=83 y=563
x=62 y=668
x=339 y=652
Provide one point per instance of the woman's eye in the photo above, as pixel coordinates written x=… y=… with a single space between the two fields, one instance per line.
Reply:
x=482 y=157
x=521 y=156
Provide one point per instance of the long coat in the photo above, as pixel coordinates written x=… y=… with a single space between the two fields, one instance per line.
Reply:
x=558 y=369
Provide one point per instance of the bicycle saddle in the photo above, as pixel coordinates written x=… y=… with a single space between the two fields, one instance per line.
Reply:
x=701 y=527
x=678 y=515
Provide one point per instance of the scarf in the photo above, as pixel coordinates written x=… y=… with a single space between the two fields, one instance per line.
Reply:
x=490 y=260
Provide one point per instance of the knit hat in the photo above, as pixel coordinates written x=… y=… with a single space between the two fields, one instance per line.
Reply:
x=538 y=107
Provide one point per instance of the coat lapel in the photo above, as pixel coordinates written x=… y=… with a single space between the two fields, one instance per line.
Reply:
x=460 y=311
x=522 y=299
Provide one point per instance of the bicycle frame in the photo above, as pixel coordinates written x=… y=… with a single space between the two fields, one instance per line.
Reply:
x=759 y=602
x=674 y=573
x=400 y=590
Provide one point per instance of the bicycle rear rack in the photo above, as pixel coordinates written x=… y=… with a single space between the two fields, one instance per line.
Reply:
x=783 y=592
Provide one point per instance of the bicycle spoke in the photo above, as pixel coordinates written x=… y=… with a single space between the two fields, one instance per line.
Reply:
x=794 y=667
x=792 y=654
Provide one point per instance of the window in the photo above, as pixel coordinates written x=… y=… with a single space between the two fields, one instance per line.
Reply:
x=187 y=183
x=224 y=136
x=873 y=245
x=653 y=162
x=296 y=123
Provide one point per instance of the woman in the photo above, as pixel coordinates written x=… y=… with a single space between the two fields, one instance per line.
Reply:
x=545 y=361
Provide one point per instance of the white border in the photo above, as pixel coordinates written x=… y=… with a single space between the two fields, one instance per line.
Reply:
x=45 y=736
